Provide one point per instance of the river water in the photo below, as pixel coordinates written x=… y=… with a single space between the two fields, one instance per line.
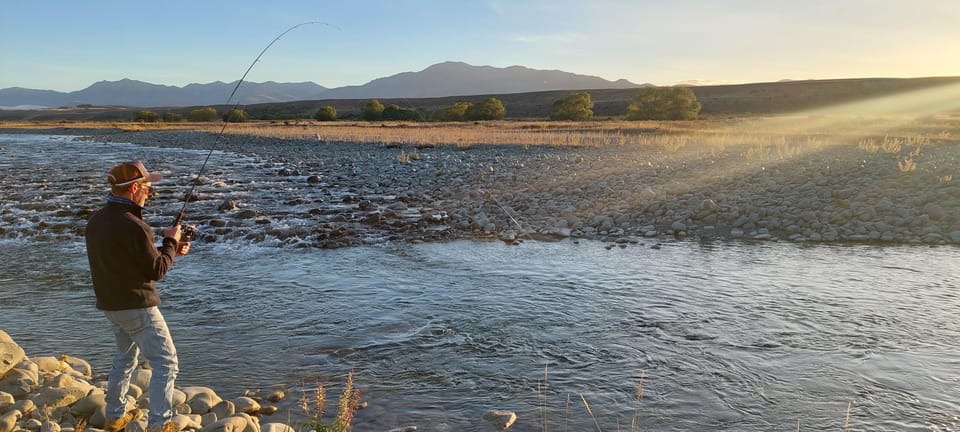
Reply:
x=718 y=336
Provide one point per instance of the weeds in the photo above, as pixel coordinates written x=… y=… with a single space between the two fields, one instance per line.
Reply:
x=315 y=406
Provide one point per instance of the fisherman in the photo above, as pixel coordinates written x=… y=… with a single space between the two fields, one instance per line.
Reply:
x=124 y=263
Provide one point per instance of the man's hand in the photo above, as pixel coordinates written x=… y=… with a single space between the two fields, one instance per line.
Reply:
x=183 y=248
x=172 y=232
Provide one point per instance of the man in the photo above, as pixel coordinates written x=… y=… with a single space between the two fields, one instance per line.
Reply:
x=124 y=263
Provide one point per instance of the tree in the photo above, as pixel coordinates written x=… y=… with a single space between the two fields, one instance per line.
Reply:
x=577 y=106
x=395 y=112
x=171 y=117
x=202 y=115
x=489 y=109
x=452 y=113
x=664 y=103
x=326 y=113
x=372 y=111
x=146 y=116
x=235 y=116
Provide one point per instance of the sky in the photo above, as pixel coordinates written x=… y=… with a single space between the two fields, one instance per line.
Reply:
x=69 y=45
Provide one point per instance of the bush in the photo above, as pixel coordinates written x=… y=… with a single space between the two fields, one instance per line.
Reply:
x=146 y=116
x=394 y=112
x=372 y=111
x=202 y=115
x=235 y=116
x=171 y=117
x=453 y=113
x=577 y=106
x=489 y=109
x=326 y=113
x=664 y=103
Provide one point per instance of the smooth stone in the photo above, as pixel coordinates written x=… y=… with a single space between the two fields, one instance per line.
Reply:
x=50 y=426
x=276 y=427
x=246 y=405
x=10 y=353
x=276 y=396
x=141 y=377
x=224 y=409
x=500 y=419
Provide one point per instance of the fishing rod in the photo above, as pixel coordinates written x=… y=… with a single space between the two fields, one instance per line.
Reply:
x=190 y=230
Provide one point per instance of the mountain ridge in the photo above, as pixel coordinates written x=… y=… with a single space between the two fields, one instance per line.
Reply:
x=438 y=80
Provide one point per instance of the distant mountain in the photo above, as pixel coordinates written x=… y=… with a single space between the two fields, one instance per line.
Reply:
x=461 y=79
x=127 y=92
x=439 y=80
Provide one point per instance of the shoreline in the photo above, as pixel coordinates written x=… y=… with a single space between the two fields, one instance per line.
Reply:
x=621 y=194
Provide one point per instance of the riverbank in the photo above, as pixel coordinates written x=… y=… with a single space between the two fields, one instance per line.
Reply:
x=651 y=188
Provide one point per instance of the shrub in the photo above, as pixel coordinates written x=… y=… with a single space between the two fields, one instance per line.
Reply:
x=202 y=115
x=577 y=106
x=489 y=109
x=171 y=117
x=394 y=112
x=453 y=113
x=372 y=111
x=664 y=103
x=326 y=113
x=235 y=116
x=146 y=116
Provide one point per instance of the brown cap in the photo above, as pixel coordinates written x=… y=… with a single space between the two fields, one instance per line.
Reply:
x=131 y=172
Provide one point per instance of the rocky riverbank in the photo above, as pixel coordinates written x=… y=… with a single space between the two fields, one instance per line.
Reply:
x=63 y=393
x=833 y=191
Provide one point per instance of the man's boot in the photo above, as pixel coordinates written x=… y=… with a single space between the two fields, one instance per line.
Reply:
x=122 y=422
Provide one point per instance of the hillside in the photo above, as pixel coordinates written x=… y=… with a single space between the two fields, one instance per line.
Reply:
x=723 y=100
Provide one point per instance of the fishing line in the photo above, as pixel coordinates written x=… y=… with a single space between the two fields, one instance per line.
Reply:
x=216 y=140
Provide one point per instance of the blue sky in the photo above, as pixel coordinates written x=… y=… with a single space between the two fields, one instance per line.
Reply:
x=68 y=45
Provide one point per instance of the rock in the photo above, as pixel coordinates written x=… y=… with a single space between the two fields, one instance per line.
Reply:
x=50 y=426
x=227 y=205
x=10 y=353
x=186 y=421
x=32 y=424
x=89 y=404
x=18 y=382
x=208 y=419
x=276 y=427
x=9 y=420
x=141 y=377
x=61 y=397
x=78 y=364
x=25 y=406
x=238 y=423
x=224 y=409
x=314 y=179
x=276 y=396
x=201 y=399
x=246 y=405
x=500 y=419
x=268 y=410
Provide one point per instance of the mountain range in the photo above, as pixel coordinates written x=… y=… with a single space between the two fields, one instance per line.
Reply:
x=439 y=80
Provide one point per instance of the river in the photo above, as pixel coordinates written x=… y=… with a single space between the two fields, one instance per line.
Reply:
x=718 y=336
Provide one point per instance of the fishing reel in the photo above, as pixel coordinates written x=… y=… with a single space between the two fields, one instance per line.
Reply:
x=187 y=232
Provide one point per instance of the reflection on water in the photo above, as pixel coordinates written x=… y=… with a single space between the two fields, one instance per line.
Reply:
x=739 y=337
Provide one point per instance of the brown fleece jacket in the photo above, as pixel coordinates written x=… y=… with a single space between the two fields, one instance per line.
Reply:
x=124 y=261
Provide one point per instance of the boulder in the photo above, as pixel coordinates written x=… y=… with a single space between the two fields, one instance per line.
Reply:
x=246 y=405
x=10 y=353
x=18 y=382
x=224 y=409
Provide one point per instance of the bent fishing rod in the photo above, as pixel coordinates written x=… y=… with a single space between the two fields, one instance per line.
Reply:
x=189 y=230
